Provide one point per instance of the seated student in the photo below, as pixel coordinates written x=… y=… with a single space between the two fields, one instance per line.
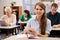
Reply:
x=54 y=16
x=40 y=25
x=9 y=18
x=24 y=17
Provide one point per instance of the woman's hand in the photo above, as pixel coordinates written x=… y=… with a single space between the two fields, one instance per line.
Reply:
x=28 y=30
x=7 y=24
x=46 y=35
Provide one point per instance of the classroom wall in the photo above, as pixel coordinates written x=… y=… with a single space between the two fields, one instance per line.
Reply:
x=7 y=3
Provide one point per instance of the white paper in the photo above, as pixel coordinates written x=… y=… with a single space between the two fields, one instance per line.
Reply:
x=21 y=35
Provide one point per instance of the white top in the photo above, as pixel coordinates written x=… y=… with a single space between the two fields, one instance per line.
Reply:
x=33 y=23
x=11 y=20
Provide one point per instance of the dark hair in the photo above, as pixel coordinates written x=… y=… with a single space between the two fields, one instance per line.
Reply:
x=55 y=5
x=43 y=18
x=27 y=12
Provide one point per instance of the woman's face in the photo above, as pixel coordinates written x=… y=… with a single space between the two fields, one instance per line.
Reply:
x=25 y=14
x=8 y=13
x=39 y=11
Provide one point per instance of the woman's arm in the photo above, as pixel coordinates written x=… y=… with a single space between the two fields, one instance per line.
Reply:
x=13 y=20
x=33 y=32
x=40 y=35
x=29 y=30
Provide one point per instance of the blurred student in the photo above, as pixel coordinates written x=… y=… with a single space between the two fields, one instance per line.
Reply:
x=9 y=18
x=40 y=25
x=54 y=16
x=25 y=17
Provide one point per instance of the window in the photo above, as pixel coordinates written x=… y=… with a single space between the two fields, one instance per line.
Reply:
x=48 y=0
x=29 y=5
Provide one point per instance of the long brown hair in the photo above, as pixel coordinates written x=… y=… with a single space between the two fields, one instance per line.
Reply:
x=43 y=18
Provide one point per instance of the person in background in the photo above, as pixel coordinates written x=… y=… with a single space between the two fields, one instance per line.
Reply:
x=39 y=25
x=54 y=16
x=25 y=17
x=9 y=18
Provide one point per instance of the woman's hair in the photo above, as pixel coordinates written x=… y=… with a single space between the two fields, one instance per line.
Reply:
x=8 y=9
x=43 y=21
x=27 y=12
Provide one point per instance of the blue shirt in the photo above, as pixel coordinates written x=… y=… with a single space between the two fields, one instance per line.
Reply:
x=33 y=23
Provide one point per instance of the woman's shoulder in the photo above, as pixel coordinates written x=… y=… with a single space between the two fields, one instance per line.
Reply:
x=13 y=15
x=30 y=15
x=33 y=19
x=4 y=16
x=48 y=21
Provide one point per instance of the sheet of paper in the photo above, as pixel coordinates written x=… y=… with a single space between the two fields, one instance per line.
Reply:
x=21 y=35
x=25 y=36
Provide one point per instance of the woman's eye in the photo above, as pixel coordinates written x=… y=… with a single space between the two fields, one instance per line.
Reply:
x=39 y=9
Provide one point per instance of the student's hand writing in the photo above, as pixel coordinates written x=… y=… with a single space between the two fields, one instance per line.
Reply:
x=30 y=31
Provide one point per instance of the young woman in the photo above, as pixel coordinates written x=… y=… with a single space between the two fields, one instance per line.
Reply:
x=9 y=18
x=24 y=17
x=40 y=25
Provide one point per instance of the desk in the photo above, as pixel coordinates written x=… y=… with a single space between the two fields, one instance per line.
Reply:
x=9 y=28
x=22 y=24
x=24 y=38
x=55 y=32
